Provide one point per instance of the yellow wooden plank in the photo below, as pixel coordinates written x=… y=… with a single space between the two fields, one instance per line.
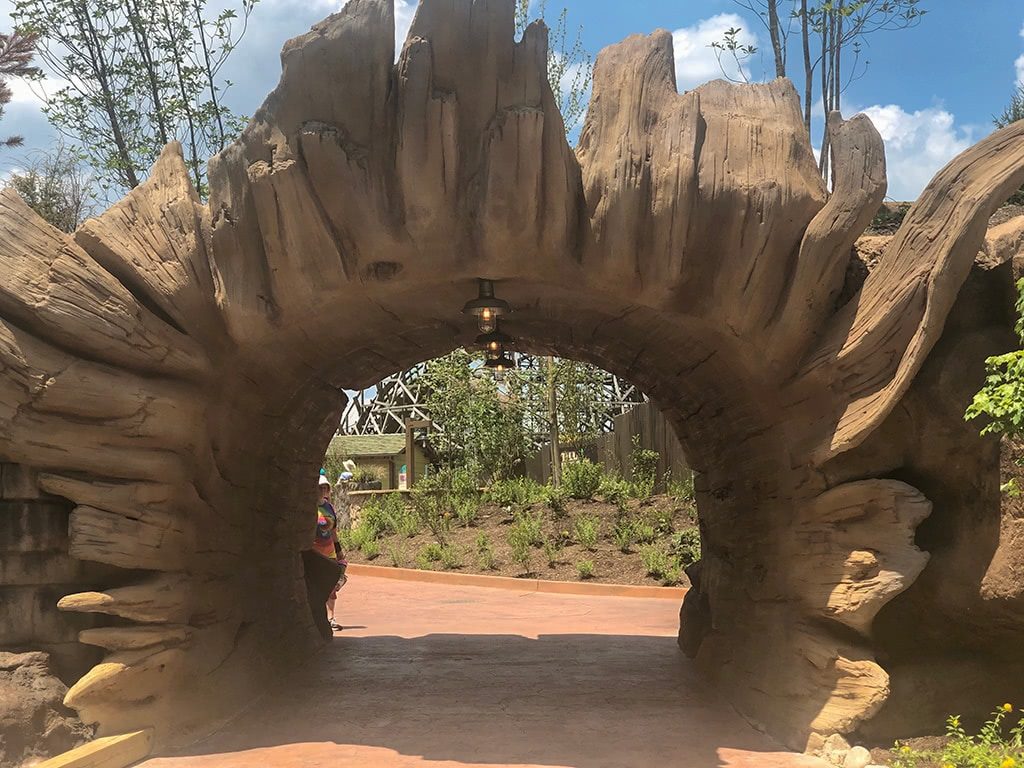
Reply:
x=107 y=752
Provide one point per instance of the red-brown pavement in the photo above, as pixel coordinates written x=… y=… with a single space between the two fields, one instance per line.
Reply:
x=444 y=676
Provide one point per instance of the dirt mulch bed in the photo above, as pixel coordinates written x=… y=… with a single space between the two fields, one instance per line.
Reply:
x=610 y=565
x=923 y=744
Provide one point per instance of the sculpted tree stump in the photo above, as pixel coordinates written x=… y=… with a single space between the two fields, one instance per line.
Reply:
x=176 y=368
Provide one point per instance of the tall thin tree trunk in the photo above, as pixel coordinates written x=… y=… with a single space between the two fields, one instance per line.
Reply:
x=556 y=448
x=186 y=102
x=837 y=44
x=827 y=26
x=142 y=42
x=774 y=32
x=209 y=74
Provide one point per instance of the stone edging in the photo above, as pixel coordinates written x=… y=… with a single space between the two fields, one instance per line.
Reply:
x=106 y=752
x=519 y=585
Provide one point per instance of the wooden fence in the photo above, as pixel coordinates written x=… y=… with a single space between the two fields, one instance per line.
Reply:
x=614 y=450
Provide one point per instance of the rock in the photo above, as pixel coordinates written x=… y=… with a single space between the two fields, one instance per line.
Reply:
x=33 y=719
x=857 y=757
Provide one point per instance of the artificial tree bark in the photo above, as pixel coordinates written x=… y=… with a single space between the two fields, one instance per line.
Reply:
x=175 y=368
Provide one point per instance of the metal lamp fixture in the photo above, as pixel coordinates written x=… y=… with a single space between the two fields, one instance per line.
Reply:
x=486 y=307
x=495 y=341
x=500 y=363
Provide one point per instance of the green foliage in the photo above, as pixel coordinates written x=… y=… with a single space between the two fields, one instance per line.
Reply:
x=656 y=562
x=397 y=555
x=581 y=479
x=644 y=532
x=552 y=551
x=483 y=543
x=371 y=549
x=685 y=546
x=615 y=490
x=522 y=555
x=433 y=552
x=483 y=430
x=135 y=76
x=671 y=576
x=556 y=499
x=388 y=514
x=466 y=511
x=357 y=536
x=527 y=530
x=1001 y=399
x=585 y=569
x=587 y=531
x=515 y=493
x=999 y=744
x=487 y=561
x=55 y=186
x=16 y=52
x=644 y=469
x=682 y=489
x=1013 y=112
x=450 y=558
x=889 y=218
x=624 y=535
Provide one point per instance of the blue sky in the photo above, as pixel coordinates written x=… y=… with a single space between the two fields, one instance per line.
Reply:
x=931 y=90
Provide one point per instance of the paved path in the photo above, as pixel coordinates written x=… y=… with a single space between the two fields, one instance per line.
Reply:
x=440 y=676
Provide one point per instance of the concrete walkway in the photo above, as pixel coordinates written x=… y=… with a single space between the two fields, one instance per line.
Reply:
x=441 y=676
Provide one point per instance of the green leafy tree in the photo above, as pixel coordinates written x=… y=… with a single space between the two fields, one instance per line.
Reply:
x=1001 y=399
x=136 y=75
x=1014 y=111
x=570 y=66
x=16 y=52
x=57 y=187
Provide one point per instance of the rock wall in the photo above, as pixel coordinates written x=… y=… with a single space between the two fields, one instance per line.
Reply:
x=175 y=369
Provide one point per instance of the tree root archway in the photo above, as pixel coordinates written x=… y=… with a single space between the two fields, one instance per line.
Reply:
x=175 y=368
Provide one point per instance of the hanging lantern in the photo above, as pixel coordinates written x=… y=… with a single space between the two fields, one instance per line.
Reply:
x=500 y=362
x=495 y=341
x=486 y=307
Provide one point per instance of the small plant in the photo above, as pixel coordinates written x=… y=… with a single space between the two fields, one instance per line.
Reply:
x=587 y=531
x=360 y=535
x=371 y=549
x=581 y=479
x=487 y=561
x=450 y=558
x=585 y=569
x=433 y=551
x=396 y=554
x=624 y=535
x=552 y=551
x=682 y=489
x=999 y=744
x=685 y=546
x=515 y=493
x=528 y=529
x=466 y=511
x=614 y=490
x=645 y=532
x=556 y=499
x=483 y=543
x=423 y=562
x=522 y=555
x=672 y=576
x=644 y=469
x=655 y=560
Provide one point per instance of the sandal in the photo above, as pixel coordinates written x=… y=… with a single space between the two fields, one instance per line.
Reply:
x=335 y=626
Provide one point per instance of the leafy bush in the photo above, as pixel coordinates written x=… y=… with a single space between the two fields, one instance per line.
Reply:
x=645 y=532
x=644 y=469
x=999 y=744
x=556 y=499
x=521 y=554
x=655 y=560
x=515 y=493
x=487 y=561
x=433 y=552
x=624 y=535
x=450 y=558
x=581 y=479
x=682 y=489
x=587 y=530
x=672 y=576
x=358 y=536
x=685 y=546
x=614 y=490
x=483 y=543
x=585 y=569
x=552 y=550
x=466 y=511
x=371 y=549
x=528 y=530
x=432 y=501
x=396 y=554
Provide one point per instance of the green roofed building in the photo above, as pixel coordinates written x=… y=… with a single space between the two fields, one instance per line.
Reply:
x=384 y=455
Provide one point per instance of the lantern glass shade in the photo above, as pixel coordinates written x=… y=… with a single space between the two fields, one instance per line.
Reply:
x=500 y=363
x=493 y=341
x=486 y=306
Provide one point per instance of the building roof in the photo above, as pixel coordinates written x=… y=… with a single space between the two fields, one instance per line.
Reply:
x=354 y=446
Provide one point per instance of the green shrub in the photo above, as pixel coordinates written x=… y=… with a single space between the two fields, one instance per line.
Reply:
x=672 y=576
x=515 y=493
x=449 y=558
x=483 y=543
x=396 y=554
x=645 y=532
x=999 y=744
x=685 y=546
x=359 y=535
x=585 y=569
x=423 y=562
x=624 y=535
x=432 y=502
x=581 y=479
x=656 y=561
x=371 y=549
x=682 y=489
x=587 y=530
x=487 y=561
x=433 y=551
x=373 y=517
x=346 y=537
x=614 y=490
x=552 y=550
x=521 y=554
x=466 y=511
x=644 y=469
x=528 y=529
x=556 y=499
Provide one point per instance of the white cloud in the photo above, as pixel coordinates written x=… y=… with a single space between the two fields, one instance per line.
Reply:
x=696 y=62
x=1019 y=64
x=917 y=145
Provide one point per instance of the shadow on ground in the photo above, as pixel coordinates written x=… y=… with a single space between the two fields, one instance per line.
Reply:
x=586 y=701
